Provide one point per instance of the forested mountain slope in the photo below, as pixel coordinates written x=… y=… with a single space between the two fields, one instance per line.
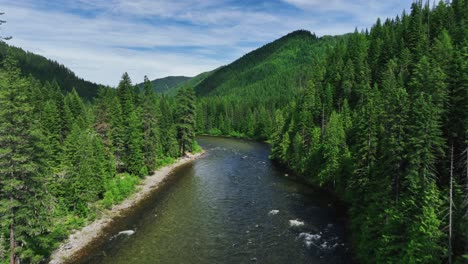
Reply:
x=164 y=85
x=380 y=117
x=192 y=83
x=240 y=98
x=62 y=159
x=46 y=70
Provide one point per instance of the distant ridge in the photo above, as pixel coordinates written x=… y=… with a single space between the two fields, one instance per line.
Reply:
x=164 y=85
x=46 y=70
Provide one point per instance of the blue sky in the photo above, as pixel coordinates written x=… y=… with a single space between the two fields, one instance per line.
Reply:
x=101 y=39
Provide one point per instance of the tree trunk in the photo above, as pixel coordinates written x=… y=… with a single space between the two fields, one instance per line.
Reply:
x=323 y=119
x=450 y=208
x=465 y=202
x=397 y=185
x=12 y=238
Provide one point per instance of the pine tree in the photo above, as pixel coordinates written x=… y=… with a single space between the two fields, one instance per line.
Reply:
x=167 y=129
x=430 y=79
x=125 y=93
x=185 y=119
x=52 y=129
x=421 y=197
x=150 y=115
x=21 y=168
x=335 y=150
x=133 y=158
x=75 y=109
x=117 y=131
x=87 y=167
x=278 y=126
x=368 y=128
x=395 y=117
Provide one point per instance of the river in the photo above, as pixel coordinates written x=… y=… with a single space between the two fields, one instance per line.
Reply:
x=230 y=206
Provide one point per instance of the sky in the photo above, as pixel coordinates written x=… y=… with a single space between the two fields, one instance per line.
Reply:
x=99 y=40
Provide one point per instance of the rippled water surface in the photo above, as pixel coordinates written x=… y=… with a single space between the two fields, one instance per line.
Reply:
x=231 y=206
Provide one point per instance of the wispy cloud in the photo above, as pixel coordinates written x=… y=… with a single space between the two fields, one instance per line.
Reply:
x=99 y=40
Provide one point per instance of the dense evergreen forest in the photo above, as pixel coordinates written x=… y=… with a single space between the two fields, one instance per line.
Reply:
x=379 y=117
x=63 y=159
x=239 y=99
x=43 y=69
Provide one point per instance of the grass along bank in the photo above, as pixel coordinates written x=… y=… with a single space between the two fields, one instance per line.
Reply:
x=136 y=189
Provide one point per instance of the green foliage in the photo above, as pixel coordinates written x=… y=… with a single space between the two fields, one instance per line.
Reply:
x=22 y=170
x=195 y=147
x=45 y=70
x=185 y=120
x=119 y=188
x=242 y=97
x=164 y=161
x=62 y=158
x=369 y=115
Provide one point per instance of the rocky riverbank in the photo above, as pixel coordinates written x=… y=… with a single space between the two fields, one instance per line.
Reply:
x=79 y=240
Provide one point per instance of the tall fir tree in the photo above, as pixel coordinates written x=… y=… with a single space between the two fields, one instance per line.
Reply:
x=22 y=175
x=185 y=114
x=150 y=114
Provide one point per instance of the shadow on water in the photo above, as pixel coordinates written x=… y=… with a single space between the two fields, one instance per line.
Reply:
x=231 y=206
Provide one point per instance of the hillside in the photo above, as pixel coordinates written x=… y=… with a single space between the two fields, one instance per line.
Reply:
x=44 y=69
x=259 y=82
x=290 y=56
x=164 y=85
x=191 y=83
x=379 y=118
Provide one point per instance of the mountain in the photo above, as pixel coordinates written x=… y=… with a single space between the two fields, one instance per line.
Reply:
x=378 y=117
x=241 y=98
x=44 y=69
x=164 y=85
x=279 y=63
x=191 y=83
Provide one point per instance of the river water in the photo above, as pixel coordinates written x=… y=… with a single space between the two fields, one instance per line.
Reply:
x=230 y=206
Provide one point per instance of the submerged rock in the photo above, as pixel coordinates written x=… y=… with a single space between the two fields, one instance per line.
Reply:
x=296 y=222
x=310 y=239
x=127 y=232
x=273 y=212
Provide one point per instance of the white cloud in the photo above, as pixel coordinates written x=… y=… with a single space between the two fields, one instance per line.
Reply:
x=145 y=37
x=365 y=12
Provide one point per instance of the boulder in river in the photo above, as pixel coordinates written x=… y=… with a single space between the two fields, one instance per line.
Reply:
x=127 y=232
x=296 y=222
x=273 y=212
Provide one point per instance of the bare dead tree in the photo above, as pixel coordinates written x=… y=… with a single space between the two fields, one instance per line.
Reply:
x=3 y=22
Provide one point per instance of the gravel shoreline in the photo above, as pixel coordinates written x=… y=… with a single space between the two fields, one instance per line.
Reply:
x=79 y=240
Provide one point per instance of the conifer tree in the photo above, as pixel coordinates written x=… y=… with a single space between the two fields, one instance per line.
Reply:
x=168 y=129
x=52 y=129
x=133 y=158
x=87 y=167
x=125 y=93
x=150 y=115
x=185 y=119
x=21 y=166
x=278 y=126
x=335 y=150
x=421 y=198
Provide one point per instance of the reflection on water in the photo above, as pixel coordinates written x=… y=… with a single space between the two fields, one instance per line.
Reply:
x=231 y=206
